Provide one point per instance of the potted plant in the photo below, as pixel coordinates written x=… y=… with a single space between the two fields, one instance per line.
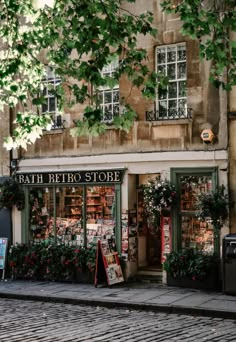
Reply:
x=188 y=268
x=213 y=207
x=158 y=196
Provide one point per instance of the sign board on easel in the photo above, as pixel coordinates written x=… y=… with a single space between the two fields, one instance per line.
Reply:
x=3 y=255
x=108 y=267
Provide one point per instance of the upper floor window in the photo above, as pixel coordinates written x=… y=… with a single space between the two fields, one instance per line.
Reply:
x=50 y=82
x=171 y=61
x=109 y=98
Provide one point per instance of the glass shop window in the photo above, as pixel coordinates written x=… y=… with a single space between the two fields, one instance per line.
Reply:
x=65 y=223
x=100 y=212
x=195 y=233
x=41 y=214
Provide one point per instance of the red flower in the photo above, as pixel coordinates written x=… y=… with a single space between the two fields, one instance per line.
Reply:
x=12 y=264
x=193 y=278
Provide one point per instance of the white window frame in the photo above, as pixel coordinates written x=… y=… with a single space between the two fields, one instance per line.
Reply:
x=109 y=108
x=53 y=80
x=179 y=111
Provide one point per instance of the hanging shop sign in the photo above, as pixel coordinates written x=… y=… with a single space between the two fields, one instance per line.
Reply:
x=72 y=177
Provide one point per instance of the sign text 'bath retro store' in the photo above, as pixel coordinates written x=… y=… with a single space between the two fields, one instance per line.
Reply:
x=100 y=176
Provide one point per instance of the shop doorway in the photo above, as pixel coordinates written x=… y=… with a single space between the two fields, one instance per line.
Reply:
x=149 y=240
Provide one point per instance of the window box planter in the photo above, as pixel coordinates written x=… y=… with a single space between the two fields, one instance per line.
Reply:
x=211 y=282
x=188 y=268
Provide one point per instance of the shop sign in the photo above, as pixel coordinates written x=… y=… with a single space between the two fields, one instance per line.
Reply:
x=74 y=177
x=3 y=255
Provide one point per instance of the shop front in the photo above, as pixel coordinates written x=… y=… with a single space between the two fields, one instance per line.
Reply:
x=72 y=207
x=80 y=207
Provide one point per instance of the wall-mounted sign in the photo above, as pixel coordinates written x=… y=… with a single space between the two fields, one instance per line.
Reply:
x=78 y=177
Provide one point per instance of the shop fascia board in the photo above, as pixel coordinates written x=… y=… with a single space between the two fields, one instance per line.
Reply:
x=96 y=162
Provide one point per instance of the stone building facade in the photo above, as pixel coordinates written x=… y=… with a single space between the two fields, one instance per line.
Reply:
x=161 y=143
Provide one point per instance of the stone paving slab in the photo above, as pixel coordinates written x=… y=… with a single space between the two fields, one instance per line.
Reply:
x=147 y=297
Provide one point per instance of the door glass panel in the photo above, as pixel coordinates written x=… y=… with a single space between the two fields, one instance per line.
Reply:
x=100 y=213
x=195 y=233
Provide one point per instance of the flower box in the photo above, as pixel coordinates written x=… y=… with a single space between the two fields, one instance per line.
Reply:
x=211 y=282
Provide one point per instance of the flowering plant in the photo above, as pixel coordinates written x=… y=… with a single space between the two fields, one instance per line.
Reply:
x=43 y=261
x=158 y=195
x=190 y=264
x=213 y=206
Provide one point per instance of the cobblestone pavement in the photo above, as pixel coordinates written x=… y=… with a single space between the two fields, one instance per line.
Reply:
x=30 y=321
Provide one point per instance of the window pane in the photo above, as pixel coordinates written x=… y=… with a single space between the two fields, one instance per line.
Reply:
x=171 y=71
x=107 y=97
x=52 y=104
x=41 y=214
x=171 y=54
x=162 y=94
x=172 y=90
x=191 y=187
x=181 y=70
x=162 y=69
x=162 y=109
x=161 y=56
x=100 y=212
x=116 y=109
x=182 y=89
x=182 y=106
x=196 y=234
x=44 y=108
x=181 y=53
x=115 y=96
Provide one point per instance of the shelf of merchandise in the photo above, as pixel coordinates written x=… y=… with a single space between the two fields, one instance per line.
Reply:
x=73 y=206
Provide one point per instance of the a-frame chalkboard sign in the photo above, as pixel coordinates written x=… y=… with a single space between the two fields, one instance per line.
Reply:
x=3 y=255
x=108 y=269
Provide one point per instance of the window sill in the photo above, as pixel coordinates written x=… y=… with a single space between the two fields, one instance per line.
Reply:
x=171 y=122
x=54 y=131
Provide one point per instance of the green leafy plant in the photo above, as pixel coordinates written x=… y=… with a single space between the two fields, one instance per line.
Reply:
x=190 y=264
x=213 y=206
x=11 y=194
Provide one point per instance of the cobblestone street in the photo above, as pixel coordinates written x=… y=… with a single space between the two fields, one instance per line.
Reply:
x=35 y=321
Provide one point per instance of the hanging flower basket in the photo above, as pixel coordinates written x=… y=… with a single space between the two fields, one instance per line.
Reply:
x=11 y=194
x=158 y=196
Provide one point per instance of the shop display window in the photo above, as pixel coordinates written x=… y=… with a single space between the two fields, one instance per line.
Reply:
x=195 y=233
x=100 y=212
x=57 y=213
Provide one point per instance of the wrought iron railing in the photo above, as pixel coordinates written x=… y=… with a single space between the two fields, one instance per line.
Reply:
x=170 y=114
x=58 y=123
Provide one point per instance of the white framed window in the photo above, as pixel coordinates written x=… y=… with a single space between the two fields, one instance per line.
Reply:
x=109 y=98
x=171 y=61
x=50 y=82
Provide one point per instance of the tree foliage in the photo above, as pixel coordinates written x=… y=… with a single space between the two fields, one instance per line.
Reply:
x=78 y=38
x=212 y=22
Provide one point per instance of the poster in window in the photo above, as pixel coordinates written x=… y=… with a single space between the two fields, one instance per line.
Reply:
x=165 y=237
